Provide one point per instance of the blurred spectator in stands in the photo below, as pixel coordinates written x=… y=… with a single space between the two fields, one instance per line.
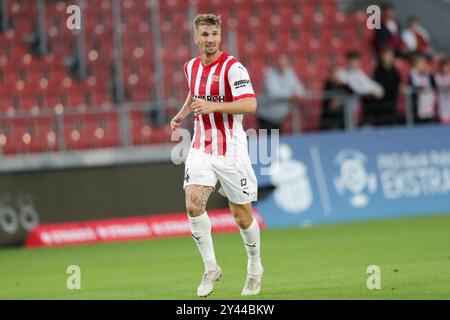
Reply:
x=416 y=38
x=423 y=85
x=33 y=41
x=368 y=91
x=384 y=111
x=333 y=112
x=442 y=80
x=3 y=21
x=389 y=33
x=282 y=87
x=355 y=78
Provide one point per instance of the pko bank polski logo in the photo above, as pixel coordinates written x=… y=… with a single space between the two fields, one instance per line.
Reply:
x=354 y=178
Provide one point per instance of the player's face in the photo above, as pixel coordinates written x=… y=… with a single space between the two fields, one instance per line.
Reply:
x=207 y=38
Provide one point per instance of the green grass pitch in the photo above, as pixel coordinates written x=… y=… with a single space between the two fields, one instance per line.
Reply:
x=323 y=262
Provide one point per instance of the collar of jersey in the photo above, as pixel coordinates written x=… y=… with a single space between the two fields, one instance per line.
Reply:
x=220 y=58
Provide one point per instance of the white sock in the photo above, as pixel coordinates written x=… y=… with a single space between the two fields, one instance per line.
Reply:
x=251 y=239
x=201 y=233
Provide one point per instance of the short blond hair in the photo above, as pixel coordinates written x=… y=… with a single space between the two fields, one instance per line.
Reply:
x=207 y=19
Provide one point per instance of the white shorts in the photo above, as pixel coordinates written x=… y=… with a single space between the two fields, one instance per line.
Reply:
x=235 y=174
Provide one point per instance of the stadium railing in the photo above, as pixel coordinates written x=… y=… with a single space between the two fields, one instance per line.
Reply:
x=135 y=124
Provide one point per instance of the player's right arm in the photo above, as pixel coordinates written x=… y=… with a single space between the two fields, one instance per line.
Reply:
x=184 y=112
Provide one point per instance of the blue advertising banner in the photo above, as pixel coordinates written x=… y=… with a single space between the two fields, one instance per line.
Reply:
x=337 y=177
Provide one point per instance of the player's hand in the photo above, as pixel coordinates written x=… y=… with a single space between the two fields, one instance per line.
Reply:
x=176 y=122
x=200 y=106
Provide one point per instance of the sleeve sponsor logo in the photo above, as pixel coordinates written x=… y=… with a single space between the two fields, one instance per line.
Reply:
x=242 y=84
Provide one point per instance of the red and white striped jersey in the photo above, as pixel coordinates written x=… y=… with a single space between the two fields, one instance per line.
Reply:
x=224 y=80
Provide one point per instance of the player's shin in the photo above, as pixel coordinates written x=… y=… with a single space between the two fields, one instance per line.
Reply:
x=251 y=237
x=201 y=233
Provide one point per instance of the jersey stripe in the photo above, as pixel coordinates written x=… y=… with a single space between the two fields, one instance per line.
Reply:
x=206 y=132
x=222 y=92
x=188 y=72
x=197 y=134
x=229 y=95
x=196 y=75
x=211 y=145
x=220 y=141
x=192 y=68
x=227 y=83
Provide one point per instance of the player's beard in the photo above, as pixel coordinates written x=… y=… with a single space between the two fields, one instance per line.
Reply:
x=211 y=50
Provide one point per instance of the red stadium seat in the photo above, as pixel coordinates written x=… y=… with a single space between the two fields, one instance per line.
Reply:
x=312 y=32
x=76 y=134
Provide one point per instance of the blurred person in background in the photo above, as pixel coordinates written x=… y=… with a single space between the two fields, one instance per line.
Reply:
x=389 y=33
x=423 y=86
x=33 y=40
x=442 y=80
x=416 y=38
x=333 y=112
x=283 y=88
x=1 y=18
x=384 y=111
x=367 y=90
x=5 y=20
x=358 y=81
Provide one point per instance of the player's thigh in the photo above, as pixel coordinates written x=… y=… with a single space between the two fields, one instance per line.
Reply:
x=196 y=199
x=238 y=182
x=198 y=170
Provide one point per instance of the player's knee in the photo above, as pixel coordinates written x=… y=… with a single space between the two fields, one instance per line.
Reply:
x=194 y=210
x=243 y=220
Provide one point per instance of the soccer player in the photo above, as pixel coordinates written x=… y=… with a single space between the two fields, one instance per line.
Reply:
x=220 y=92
